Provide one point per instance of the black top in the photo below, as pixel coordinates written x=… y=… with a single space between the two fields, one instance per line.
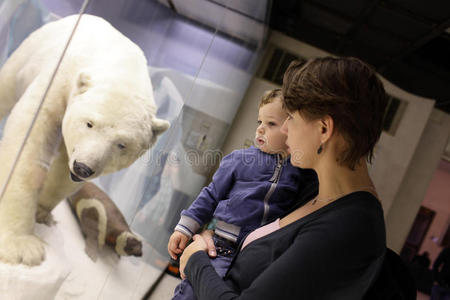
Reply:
x=441 y=268
x=332 y=253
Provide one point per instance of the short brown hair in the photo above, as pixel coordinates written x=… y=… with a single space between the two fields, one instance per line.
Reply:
x=347 y=90
x=269 y=96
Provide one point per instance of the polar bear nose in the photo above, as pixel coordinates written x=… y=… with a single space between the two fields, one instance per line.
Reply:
x=82 y=170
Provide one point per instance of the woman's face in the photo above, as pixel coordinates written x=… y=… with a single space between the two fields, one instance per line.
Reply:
x=303 y=139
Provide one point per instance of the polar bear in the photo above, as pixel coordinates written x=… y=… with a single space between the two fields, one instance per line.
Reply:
x=98 y=117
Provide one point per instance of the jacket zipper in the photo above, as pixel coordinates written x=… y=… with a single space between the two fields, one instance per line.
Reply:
x=275 y=178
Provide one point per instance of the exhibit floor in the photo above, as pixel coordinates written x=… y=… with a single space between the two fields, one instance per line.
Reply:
x=68 y=273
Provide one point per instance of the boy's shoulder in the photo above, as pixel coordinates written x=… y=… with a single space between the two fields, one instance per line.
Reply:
x=246 y=153
x=250 y=157
x=249 y=150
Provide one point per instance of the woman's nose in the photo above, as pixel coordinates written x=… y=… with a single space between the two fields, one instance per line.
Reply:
x=284 y=129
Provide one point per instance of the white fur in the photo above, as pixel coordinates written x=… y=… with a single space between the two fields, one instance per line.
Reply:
x=103 y=80
x=102 y=218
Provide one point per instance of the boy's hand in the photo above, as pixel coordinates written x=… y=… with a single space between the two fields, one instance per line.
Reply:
x=177 y=243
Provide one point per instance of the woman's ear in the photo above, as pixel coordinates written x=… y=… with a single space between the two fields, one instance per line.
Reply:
x=326 y=127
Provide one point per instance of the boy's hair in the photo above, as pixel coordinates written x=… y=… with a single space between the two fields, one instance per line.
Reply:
x=347 y=90
x=270 y=96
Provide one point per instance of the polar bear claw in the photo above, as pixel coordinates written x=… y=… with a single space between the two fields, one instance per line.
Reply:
x=25 y=249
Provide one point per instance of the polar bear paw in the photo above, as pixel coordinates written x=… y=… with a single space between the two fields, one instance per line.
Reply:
x=24 y=249
x=44 y=217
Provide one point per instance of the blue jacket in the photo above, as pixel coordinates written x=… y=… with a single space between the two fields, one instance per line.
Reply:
x=249 y=189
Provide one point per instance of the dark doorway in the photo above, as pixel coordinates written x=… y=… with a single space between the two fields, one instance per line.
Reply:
x=417 y=234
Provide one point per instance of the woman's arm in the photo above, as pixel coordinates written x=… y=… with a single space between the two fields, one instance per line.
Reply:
x=195 y=258
x=325 y=261
x=201 y=243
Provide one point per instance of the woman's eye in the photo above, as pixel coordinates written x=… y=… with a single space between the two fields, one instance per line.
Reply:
x=121 y=146
x=89 y=125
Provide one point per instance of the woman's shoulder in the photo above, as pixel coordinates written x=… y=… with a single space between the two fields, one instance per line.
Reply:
x=355 y=207
x=361 y=201
x=357 y=216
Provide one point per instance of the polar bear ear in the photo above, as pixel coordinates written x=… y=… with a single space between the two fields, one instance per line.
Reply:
x=83 y=82
x=159 y=126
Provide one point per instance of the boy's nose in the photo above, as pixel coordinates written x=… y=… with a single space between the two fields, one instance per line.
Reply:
x=260 y=129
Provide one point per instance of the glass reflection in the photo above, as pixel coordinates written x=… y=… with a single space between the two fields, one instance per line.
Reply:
x=201 y=55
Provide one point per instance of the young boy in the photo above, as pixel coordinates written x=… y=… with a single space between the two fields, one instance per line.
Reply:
x=250 y=188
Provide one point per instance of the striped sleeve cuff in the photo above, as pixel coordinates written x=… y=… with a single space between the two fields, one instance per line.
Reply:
x=187 y=226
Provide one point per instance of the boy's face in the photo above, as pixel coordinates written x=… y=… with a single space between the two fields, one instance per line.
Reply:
x=268 y=137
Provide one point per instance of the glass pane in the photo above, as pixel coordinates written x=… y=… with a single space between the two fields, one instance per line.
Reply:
x=200 y=55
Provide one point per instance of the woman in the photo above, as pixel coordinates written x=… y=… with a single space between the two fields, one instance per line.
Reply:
x=333 y=246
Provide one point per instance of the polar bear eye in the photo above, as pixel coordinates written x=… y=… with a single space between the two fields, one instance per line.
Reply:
x=89 y=124
x=121 y=146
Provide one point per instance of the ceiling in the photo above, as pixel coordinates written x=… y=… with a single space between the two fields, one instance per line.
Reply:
x=407 y=41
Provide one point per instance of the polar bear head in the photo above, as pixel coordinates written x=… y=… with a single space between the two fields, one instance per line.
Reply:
x=107 y=126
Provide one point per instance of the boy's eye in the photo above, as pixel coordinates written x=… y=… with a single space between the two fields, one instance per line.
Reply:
x=258 y=122
x=272 y=124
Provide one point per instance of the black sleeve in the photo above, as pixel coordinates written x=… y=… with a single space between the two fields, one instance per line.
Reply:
x=320 y=264
x=206 y=282
x=441 y=259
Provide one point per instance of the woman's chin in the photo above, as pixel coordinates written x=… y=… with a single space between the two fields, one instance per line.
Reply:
x=299 y=161
x=296 y=164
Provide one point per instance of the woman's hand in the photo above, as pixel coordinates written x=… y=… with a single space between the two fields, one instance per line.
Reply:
x=207 y=237
x=202 y=242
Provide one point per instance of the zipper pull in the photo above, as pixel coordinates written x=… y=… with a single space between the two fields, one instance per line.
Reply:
x=276 y=174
